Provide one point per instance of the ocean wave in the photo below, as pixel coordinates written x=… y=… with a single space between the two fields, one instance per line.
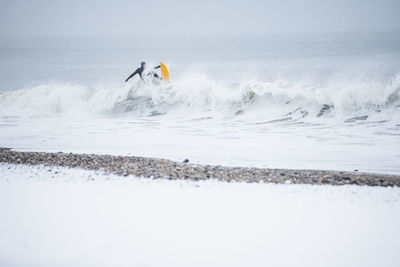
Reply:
x=198 y=94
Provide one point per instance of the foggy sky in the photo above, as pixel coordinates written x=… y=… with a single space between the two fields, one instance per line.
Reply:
x=49 y=17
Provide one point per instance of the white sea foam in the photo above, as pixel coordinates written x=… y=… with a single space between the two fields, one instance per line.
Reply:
x=192 y=94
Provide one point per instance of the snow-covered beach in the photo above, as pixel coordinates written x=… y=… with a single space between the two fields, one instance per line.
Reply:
x=65 y=209
x=54 y=216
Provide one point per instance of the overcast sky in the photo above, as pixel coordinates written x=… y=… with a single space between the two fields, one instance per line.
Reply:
x=70 y=17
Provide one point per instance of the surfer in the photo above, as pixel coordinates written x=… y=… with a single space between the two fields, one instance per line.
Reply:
x=141 y=70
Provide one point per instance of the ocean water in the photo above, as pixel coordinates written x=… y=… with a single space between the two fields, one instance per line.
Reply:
x=321 y=101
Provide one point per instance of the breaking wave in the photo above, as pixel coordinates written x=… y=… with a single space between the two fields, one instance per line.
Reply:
x=193 y=95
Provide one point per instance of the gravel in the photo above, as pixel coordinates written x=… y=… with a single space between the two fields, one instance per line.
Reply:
x=167 y=169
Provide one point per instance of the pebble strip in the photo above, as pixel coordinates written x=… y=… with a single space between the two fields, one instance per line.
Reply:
x=162 y=168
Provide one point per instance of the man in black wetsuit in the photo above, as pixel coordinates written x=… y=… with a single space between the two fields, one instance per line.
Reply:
x=141 y=70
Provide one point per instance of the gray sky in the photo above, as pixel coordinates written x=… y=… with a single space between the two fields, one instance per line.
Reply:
x=118 y=17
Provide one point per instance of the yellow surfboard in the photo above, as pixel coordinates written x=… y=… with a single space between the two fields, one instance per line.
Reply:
x=164 y=71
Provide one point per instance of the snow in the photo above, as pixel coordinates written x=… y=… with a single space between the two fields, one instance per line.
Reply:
x=71 y=217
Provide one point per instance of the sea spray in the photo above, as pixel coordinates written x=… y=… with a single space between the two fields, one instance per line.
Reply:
x=198 y=93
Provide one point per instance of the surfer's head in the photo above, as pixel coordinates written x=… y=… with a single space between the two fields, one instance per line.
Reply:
x=143 y=64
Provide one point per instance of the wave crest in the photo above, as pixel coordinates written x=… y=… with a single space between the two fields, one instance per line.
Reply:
x=194 y=94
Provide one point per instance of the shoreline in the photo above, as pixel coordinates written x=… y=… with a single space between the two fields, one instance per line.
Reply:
x=172 y=170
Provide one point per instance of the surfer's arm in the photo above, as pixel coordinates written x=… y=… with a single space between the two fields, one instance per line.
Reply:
x=157 y=67
x=133 y=74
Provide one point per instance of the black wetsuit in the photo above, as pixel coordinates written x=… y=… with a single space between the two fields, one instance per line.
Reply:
x=140 y=72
